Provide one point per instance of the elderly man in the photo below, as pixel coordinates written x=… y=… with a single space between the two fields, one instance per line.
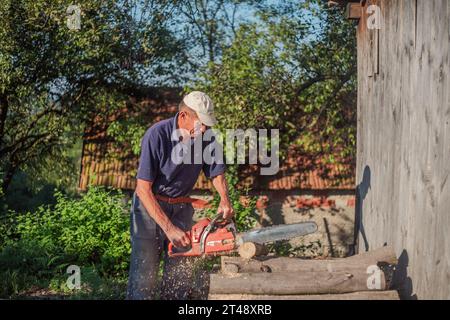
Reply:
x=161 y=210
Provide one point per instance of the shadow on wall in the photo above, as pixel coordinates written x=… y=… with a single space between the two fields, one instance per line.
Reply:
x=361 y=192
x=401 y=281
x=273 y=215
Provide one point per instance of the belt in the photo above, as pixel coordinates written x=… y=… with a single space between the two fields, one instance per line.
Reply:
x=196 y=203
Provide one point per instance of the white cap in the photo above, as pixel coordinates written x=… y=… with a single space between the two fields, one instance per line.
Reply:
x=202 y=105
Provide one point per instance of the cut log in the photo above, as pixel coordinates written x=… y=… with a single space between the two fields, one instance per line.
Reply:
x=250 y=250
x=384 y=255
x=363 y=295
x=296 y=283
x=284 y=264
x=361 y=262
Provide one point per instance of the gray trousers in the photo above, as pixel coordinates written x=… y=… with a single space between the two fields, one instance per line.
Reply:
x=148 y=244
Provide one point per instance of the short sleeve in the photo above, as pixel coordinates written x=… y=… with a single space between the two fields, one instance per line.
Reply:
x=149 y=158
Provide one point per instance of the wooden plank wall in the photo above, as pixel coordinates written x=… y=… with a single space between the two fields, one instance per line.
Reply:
x=403 y=157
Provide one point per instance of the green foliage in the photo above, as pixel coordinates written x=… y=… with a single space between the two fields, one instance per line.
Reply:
x=26 y=267
x=294 y=70
x=93 y=229
x=3 y=206
x=94 y=285
x=128 y=134
x=23 y=265
x=245 y=209
x=8 y=224
x=53 y=79
x=34 y=184
x=92 y=232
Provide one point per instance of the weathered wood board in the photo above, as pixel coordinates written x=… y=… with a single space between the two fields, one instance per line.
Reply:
x=403 y=145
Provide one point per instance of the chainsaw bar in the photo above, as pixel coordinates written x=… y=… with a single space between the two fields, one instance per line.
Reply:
x=277 y=233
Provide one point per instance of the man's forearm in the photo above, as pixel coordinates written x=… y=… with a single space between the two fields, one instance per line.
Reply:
x=225 y=208
x=220 y=184
x=148 y=199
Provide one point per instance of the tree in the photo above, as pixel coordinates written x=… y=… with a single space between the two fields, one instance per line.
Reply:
x=208 y=26
x=205 y=28
x=295 y=70
x=53 y=78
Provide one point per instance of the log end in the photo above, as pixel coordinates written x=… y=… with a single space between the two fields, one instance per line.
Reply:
x=249 y=250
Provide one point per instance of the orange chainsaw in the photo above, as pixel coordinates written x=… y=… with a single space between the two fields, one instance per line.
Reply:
x=218 y=236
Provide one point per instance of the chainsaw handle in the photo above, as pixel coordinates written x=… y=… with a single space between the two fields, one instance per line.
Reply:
x=218 y=219
x=174 y=251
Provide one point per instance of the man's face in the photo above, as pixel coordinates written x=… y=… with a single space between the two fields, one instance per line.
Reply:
x=192 y=124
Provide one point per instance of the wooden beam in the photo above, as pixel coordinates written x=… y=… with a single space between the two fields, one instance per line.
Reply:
x=353 y=11
x=361 y=262
x=362 y=295
x=286 y=283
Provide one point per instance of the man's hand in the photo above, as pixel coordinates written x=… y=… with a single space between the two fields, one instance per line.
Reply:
x=178 y=237
x=225 y=209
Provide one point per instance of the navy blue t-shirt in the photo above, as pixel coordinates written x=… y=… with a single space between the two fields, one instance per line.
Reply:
x=171 y=178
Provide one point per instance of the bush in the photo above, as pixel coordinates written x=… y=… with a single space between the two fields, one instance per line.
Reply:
x=22 y=266
x=244 y=213
x=92 y=229
x=27 y=269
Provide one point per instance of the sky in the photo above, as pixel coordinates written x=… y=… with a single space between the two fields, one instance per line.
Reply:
x=244 y=14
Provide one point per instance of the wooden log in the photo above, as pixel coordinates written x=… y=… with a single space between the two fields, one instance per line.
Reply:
x=362 y=295
x=250 y=250
x=229 y=268
x=384 y=254
x=293 y=283
x=284 y=264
